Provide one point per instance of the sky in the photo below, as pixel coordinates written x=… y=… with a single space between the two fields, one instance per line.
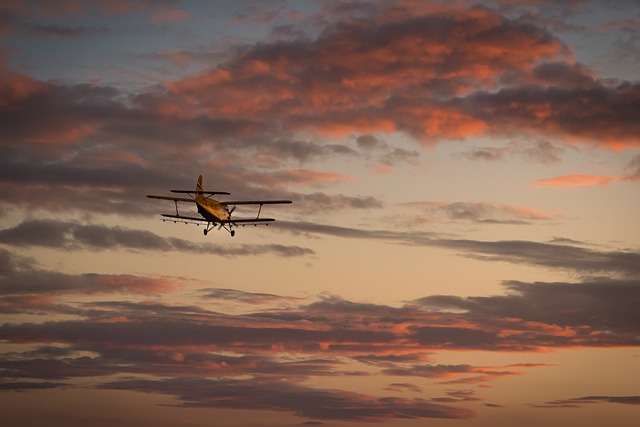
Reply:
x=463 y=246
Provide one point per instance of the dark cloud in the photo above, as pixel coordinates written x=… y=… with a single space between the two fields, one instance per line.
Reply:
x=262 y=394
x=605 y=304
x=529 y=317
x=557 y=256
x=579 y=401
x=561 y=111
x=30 y=386
x=198 y=355
x=69 y=235
x=581 y=260
x=244 y=297
x=540 y=151
x=26 y=289
x=490 y=154
x=402 y=387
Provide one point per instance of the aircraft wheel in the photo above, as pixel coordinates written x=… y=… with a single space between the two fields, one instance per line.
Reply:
x=205 y=231
x=233 y=233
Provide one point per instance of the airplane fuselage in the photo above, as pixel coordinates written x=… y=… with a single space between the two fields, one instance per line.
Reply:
x=213 y=210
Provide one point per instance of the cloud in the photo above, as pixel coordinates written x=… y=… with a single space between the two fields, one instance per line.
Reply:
x=582 y=180
x=579 y=401
x=244 y=297
x=402 y=387
x=604 y=304
x=266 y=394
x=435 y=75
x=263 y=359
x=394 y=339
x=562 y=112
x=551 y=255
x=541 y=151
x=454 y=374
x=309 y=177
x=482 y=213
x=30 y=385
x=72 y=236
x=577 y=180
x=25 y=288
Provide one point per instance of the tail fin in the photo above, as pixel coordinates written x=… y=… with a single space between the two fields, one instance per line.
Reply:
x=199 y=190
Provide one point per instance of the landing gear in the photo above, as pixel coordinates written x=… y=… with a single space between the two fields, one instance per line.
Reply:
x=210 y=227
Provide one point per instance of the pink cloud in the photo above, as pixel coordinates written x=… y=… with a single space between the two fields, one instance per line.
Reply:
x=577 y=180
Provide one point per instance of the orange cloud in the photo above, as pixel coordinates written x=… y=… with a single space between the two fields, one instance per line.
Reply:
x=16 y=87
x=345 y=81
x=135 y=284
x=577 y=180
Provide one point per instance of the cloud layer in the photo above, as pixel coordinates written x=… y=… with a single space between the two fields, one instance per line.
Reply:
x=263 y=356
x=435 y=76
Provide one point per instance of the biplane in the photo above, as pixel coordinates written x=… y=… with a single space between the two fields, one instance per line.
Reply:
x=214 y=212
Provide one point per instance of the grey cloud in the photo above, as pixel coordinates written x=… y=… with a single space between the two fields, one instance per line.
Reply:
x=107 y=360
x=602 y=304
x=30 y=385
x=261 y=394
x=540 y=151
x=567 y=257
x=487 y=213
x=70 y=235
x=23 y=286
x=579 y=401
x=314 y=201
x=242 y=296
x=607 y=110
x=490 y=154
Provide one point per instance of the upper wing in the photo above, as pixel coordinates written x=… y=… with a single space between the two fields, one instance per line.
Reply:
x=208 y=193
x=257 y=202
x=175 y=199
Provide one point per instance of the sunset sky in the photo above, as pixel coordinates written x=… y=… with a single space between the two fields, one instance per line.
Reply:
x=463 y=247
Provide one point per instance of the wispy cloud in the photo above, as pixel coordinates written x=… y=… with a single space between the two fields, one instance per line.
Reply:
x=481 y=213
x=577 y=180
x=587 y=400
x=266 y=394
x=551 y=255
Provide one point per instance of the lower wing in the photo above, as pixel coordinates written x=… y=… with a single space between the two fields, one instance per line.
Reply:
x=226 y=221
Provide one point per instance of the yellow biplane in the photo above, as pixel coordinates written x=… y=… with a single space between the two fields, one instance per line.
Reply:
x=215 y=212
